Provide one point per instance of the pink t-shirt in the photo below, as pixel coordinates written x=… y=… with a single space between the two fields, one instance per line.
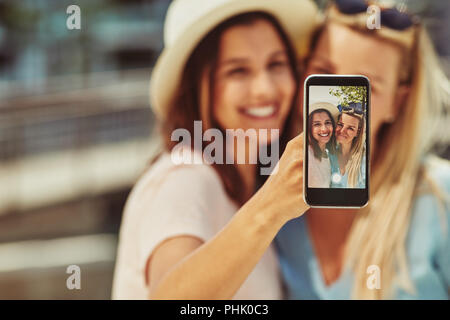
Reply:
x=171 y=200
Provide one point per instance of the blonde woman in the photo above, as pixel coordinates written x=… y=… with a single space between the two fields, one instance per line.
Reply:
x=398 y=246
x=199 y=230
x=348 y=163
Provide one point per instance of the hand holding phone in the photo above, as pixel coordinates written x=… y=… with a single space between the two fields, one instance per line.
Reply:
x=336 y=113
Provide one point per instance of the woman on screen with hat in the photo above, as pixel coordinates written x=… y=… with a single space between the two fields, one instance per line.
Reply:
x=322 y=143
x=199 y=231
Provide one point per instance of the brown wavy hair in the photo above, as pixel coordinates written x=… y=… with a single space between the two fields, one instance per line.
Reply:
x=193 y=98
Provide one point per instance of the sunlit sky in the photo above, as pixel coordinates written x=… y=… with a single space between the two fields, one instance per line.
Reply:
x=321 y=94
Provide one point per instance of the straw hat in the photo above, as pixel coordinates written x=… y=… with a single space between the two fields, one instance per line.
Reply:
x=334 y=111
x=189 y=21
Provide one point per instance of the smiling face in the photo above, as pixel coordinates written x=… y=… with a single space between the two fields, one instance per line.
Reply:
x=346 y=129
x=341 y=50
x=254 y=85
x=322 y=128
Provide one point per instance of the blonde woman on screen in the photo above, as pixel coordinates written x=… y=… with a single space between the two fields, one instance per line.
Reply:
x=348 y=163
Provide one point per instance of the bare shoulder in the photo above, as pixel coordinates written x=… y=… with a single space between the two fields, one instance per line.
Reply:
x=179 y=178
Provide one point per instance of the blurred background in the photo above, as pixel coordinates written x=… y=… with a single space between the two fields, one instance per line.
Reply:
x=76 y=131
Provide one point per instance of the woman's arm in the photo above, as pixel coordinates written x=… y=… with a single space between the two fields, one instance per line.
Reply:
x=216 y=269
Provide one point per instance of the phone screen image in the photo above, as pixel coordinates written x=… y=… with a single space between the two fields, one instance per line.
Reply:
x=336 y=140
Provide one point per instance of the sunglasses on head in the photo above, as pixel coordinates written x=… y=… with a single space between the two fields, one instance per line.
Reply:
x=352 y=108
x=392 y=18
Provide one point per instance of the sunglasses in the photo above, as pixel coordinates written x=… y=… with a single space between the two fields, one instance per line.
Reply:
x=352 y=108
x=392 y=18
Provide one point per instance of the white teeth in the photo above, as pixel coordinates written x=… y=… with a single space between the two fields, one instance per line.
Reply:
x=261 y=111
x=323 y=135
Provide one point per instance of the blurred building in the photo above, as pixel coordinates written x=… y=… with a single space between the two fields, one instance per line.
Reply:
x=75 y=133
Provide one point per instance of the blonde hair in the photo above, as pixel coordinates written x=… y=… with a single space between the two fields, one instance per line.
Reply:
x=353 y=166
x=379 y=231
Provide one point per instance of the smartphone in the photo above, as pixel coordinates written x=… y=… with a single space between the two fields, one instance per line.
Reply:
x=336 y=115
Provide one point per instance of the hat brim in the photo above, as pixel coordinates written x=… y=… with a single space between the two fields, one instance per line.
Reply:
x=298 y=18
x=334 y=111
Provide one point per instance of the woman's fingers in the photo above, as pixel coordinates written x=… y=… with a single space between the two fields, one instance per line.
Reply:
x=296 y=141
x=294 y=150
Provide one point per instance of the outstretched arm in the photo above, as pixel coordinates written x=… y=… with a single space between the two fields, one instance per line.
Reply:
x=186 y=268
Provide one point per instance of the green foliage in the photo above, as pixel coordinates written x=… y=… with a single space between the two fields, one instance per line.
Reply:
x=347 y=94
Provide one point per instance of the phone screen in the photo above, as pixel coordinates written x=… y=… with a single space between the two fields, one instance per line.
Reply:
x=336 y=115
